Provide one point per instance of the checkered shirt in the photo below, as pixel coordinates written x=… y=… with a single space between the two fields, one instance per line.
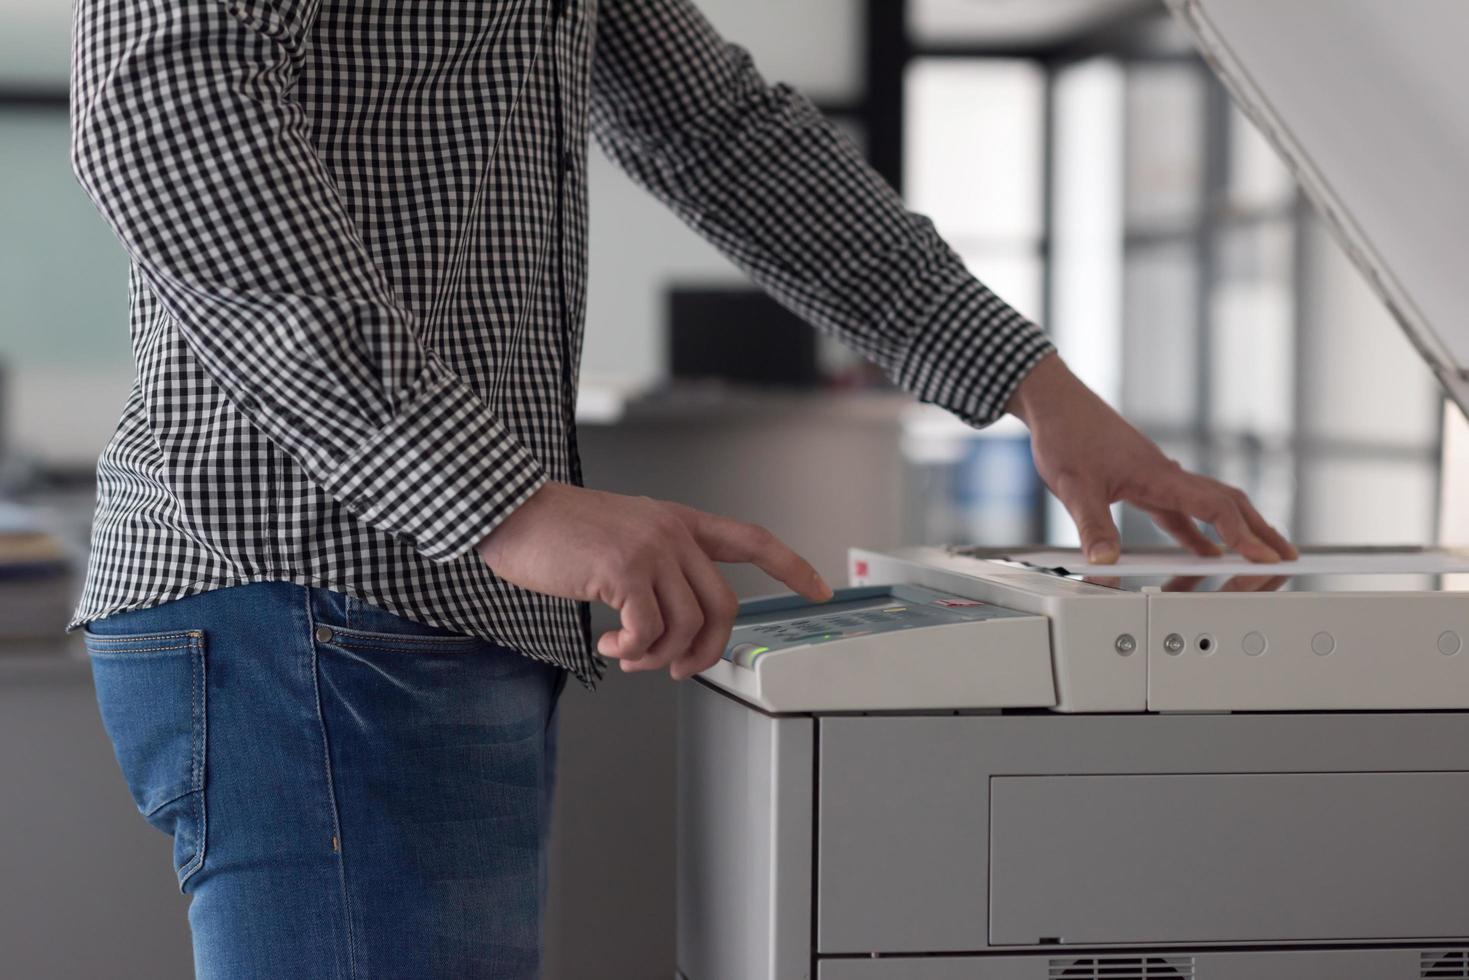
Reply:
x=357 y=235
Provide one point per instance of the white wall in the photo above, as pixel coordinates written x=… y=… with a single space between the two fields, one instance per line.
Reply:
x=637 y=248
x=34 y=41
x=63 y=323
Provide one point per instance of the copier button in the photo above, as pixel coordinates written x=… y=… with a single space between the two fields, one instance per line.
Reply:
x=1254 y=643
x=1322 y=644
x=744 y=654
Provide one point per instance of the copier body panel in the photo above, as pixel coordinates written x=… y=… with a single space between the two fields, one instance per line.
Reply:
x=1129 y=827
x=978 y=846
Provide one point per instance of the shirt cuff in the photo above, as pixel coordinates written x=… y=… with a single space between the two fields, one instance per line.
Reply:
x=970 y=354
x=442 y=475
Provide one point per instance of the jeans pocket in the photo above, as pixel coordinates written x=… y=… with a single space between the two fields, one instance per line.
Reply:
x=151 y=692
x=372 y=626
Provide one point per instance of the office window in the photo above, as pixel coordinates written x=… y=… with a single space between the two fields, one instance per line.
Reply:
x=1251 y=347
x=1164 y=146
x=1184 y=275
x=1252 y=309
x=1257 y=179
x=974 y=163
x=1160 y=336
x=1085 y=300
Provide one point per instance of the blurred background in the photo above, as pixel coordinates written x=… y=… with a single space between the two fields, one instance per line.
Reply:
x=1077 y=153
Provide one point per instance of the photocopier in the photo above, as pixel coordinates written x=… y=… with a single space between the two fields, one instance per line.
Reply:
x=1011 y=765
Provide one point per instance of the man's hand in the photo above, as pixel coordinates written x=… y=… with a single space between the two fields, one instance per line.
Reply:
x=651 y=560
x=1090 y=458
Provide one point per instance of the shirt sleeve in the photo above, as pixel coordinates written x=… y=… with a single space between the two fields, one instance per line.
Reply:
x=187 y=136
x=758 y=171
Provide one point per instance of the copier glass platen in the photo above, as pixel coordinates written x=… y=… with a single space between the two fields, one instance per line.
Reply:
x=1173 y=767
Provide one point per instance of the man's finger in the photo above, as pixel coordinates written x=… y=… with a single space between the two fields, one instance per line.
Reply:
x=723 y=539
x=719 y=605
x=1182 y=529
x=642 y=624
x=681 y=616
x=1206 y=501
x=1223 y=513
x=1263 y=529
x=1092 y=514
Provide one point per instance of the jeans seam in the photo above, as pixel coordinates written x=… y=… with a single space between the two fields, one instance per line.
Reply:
x=163 y=803
x=351 y=643
x=545 y=805
x=198 y=708
x=326 y=758
x=125 y=652
x=169 y=639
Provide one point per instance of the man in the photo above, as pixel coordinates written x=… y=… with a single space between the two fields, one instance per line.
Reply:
x=342 y=554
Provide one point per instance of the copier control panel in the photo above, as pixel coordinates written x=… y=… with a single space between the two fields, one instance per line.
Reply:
x=885 y=647
x=768 y=625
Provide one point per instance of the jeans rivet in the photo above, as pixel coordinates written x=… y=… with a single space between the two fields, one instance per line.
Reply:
x=323 y=634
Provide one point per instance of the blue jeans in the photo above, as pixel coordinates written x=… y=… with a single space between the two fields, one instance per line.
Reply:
x=350 y=794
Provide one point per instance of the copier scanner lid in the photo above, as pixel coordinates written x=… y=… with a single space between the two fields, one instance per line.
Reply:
x=1366 y=102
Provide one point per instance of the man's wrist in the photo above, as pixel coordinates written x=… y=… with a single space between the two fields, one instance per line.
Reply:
x=1044 y=385
x=487 y=545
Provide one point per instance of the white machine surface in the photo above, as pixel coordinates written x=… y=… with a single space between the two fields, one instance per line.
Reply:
x=929 y=629
x=1339 y=630
x=1016 y=766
